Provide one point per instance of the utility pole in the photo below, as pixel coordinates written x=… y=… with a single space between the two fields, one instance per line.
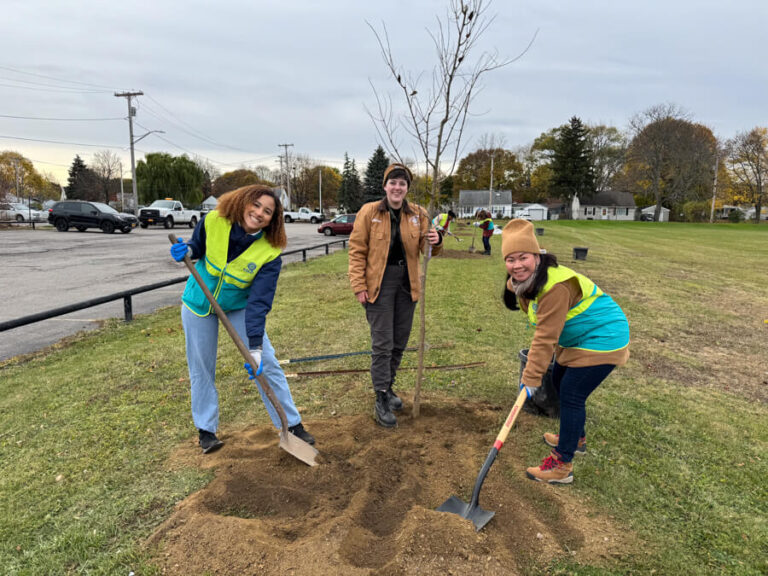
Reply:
x=131 y=114
x=490 y=188
x=714 y=191
x=287 y=171
x=122 y=193
x=320 y=188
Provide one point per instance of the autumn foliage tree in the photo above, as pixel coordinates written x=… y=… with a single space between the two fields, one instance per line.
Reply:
x=747 y=157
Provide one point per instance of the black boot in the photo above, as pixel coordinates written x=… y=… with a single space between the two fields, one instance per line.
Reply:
x=382 y=413
x=209 y=442
x=395 y=404
x=299 y=432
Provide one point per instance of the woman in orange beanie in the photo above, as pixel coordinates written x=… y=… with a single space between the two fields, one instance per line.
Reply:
x=577 y=322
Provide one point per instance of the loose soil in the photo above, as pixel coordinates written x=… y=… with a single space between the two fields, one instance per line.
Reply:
x=369 y=506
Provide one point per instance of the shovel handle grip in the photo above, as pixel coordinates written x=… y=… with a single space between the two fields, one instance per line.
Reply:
x=510 y=421
x=235 y=338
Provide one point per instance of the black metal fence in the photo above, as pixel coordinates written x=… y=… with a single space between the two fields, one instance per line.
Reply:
x=127 y=295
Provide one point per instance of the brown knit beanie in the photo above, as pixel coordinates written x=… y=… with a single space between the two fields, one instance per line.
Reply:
x=518 y=236
x=397 y=170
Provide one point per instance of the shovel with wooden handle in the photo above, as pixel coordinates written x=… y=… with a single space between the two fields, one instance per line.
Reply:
x=294 y=445
x=472 y=247
x=472 y=511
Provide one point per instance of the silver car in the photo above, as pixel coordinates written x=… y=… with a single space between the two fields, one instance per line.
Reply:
x=18 y=212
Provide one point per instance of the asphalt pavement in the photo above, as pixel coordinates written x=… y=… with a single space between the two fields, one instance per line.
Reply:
x=43 y=269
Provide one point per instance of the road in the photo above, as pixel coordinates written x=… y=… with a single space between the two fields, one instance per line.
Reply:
x=44 y=269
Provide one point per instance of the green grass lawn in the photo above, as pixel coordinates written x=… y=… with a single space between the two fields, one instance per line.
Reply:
x=678 y=437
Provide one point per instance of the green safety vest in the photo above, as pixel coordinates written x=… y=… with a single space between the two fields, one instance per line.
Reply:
x=595 y=323
x=229 y=282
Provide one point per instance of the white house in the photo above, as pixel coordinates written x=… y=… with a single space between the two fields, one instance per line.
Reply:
x=209 y=204
x=532 y=212
x=470 y=201
x=649 y=212
x=609 y=205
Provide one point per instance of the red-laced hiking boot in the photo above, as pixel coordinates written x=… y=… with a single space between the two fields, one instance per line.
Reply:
x=552 y=470
x=552 y=440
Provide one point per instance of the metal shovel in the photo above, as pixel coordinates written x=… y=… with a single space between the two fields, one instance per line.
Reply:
x=294 y=445
x=472 y=511
x=472 y=247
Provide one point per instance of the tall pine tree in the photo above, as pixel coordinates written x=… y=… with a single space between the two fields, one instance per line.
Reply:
x=81 y=182
x=573 y=169
x=374 y=174
x=351 y=190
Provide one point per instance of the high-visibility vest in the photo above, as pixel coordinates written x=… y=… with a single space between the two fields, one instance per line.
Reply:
x=229 y=282
x=441 y=220
x=595 y=323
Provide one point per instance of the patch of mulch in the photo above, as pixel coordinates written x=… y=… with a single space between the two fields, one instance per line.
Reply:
x=369 y=507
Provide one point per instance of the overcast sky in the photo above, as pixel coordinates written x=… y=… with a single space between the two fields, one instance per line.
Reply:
x=231 y=80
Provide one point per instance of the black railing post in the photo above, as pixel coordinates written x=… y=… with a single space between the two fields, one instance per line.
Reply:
x=326 y=248
x=128 y=308
x=304 y=255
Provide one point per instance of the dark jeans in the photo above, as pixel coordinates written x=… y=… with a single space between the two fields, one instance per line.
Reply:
x=390 y=318
x=574 y=386
x=487 y=243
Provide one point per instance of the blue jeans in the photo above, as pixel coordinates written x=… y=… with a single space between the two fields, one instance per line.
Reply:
x=574 y=385
x=487 y=243
x=202 y=335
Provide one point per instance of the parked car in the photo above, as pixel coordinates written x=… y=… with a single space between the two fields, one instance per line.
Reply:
x=342 y=224
x=83 y=215
x=19 y=212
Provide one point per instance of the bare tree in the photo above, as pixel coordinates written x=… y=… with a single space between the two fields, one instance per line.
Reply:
x=747 y=154
x=609 y=147
x=435 y=116
x=106 y=167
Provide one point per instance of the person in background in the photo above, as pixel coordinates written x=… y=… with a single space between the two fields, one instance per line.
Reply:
x=443 y=221
x=384 y=248
x=237 y=247
x=574 y=319
x=487 y=226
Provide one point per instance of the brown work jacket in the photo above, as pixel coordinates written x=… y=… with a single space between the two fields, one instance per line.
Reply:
x=369 y=246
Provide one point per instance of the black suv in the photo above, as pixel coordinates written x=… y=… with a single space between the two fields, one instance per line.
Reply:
x=84 y=215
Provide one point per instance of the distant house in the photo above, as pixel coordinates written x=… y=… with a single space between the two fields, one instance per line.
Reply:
x=555 y=210
x=750 y=213
x=647 y=213
x=209 y=204
x=532 y=212
x=470 y=201
x=609 y=205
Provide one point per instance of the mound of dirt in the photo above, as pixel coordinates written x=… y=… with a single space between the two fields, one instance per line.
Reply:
x=369 y=507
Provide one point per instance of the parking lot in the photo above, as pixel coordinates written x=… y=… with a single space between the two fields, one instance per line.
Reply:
x=44 y=269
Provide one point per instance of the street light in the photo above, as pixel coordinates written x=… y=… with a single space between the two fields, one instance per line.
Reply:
x=133 y=164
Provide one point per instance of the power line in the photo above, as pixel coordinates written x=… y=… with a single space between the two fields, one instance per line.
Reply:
x=4 y=137
x=64 y=90
x=17 y=71
x=60 y=119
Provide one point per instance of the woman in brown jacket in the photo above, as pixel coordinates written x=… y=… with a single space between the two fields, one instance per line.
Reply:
x=384 y=273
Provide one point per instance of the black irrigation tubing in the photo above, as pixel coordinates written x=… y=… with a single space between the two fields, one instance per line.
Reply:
x=360 y=353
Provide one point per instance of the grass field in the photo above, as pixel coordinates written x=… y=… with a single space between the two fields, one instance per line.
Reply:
x=678 y=437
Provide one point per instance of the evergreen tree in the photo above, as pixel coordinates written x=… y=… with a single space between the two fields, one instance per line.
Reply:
x=374 y=174
x=81 y=183
x=351 y=189
x=573 y=170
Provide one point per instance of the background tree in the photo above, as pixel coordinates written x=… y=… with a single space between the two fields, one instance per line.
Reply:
x=106 y=169
x=82 y=182
x=160 y=175
x=435 y=114
x=670 y=159
x=19 y=177
x=747 y=156
x=351 y=189
x=609 y=148
x=236 y=179
x=331 y=182
x=474 y=171
x=573 y=170
x=374 y=174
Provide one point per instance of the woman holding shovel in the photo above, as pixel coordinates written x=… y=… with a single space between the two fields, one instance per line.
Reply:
x=238 y=248
x=584 y=328
x=384 y=248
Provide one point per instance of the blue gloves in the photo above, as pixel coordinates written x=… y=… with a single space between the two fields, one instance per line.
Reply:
x=256 y=355
x=528 y=390
x=179 y=250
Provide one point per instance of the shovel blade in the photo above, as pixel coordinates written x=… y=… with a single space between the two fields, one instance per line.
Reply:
x=477 y=515
x=297 y=448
